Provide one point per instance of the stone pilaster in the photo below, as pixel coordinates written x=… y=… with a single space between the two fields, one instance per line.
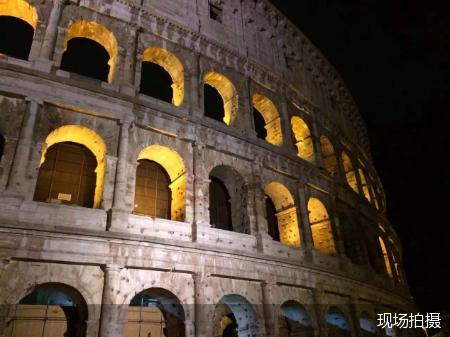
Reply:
x=305 y=228
x=120 y=189
x=51 y=31
x=127 y=85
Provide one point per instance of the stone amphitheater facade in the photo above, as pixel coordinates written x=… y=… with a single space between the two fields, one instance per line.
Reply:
x=298 y=244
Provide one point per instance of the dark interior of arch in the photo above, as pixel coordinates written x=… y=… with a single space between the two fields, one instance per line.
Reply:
x=261 y=131
x=86 y=57
x=156 y=82
x=68 y=172
x=231 y=329
x=2 y=146
x=213 y=103
x=152 y=194
x=68 y=299
x=219 y=205
x=272 y=221
x=16 y=37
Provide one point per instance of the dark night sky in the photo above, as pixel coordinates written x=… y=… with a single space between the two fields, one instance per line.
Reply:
x=395 y=58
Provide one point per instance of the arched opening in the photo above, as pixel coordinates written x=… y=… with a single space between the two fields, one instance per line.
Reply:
x=155 y=312
x=328 y=155
x=74 y=158
x=234 y=316
x=322 y=233
x=349 y=172
x=220 y=98
x=160 y=181
x=337 y=323
x=90 y=50
x=228 y=200
x=2 y=146
x=303 y=139
x=272 y=221
x=387 y=262
x=152 y=194
x=294 y=321
x=50 y=310
x=286 y=213
x=269 y=128
x=67 y=175
x=18 y=21
x=162 y=76
x=364 y=184
x=367 y=325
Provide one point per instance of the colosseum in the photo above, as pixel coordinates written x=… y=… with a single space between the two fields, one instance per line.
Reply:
x=184 y=169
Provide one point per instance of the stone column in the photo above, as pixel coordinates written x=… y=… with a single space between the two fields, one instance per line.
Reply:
x=336 y=228
x=288 y=141
x=51 y=31
x=259 y=207
x=120 y=188
x=322 y=328
x=127 y=85
x=354 y=319
x=194 y=89
x=201 y=186
x=270 y=312
x=18 y=182
x=316 y=144
x=113 y=312
x=305 y=234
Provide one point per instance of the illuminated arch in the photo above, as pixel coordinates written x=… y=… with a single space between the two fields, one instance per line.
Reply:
x=387 y=262
x=328 y=155
x=98 y=33
x=303 y=139
x=228 y=93
x=367 y=325
x=349 y=171
x=337 y=323
x=173 y=66
x=294 y=320
x=84 y=136
x=172 y=162
x=21 y=10
x=271 y=119
x=364 y=185
x=286 y=213
x=321 y=230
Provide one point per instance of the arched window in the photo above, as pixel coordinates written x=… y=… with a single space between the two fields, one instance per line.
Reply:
x=387 y=262
x=228 y=200
x=219 y=205
x=234 y=316
x=349 y=171
x=162 y=76
x=303 y=139
x=18 y=21
x=51 y=309
x=285 y=214
x=90 y=50
x=155 y=312
x=269 y=128
x=294 y=320
x=160 y=184
x=337 y=323
x=220 y=98
x=364 y=184
x=367 y=325
x=328 y=155
x=67 y=175
x=321 y=230
x=72 y=166
x=2 y=146
x=152 y=191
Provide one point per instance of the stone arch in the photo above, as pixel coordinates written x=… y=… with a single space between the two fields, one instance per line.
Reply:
x=174 y=165
x=364 y=184
x=24 y=17
x=384 y=251
x=349 y=171
x=367 y=325
x=227 y=92
x=337 y=323
x=173 y=66
x=91 y=140
x=271 y=116
x=294 y=320
x=237 y=314
x=156 y=311
x=237 y=190
x=328 y=155
x=303 y=139
x=54 y=309
x=98 y=33
x=286 y=213
x=321 y=229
